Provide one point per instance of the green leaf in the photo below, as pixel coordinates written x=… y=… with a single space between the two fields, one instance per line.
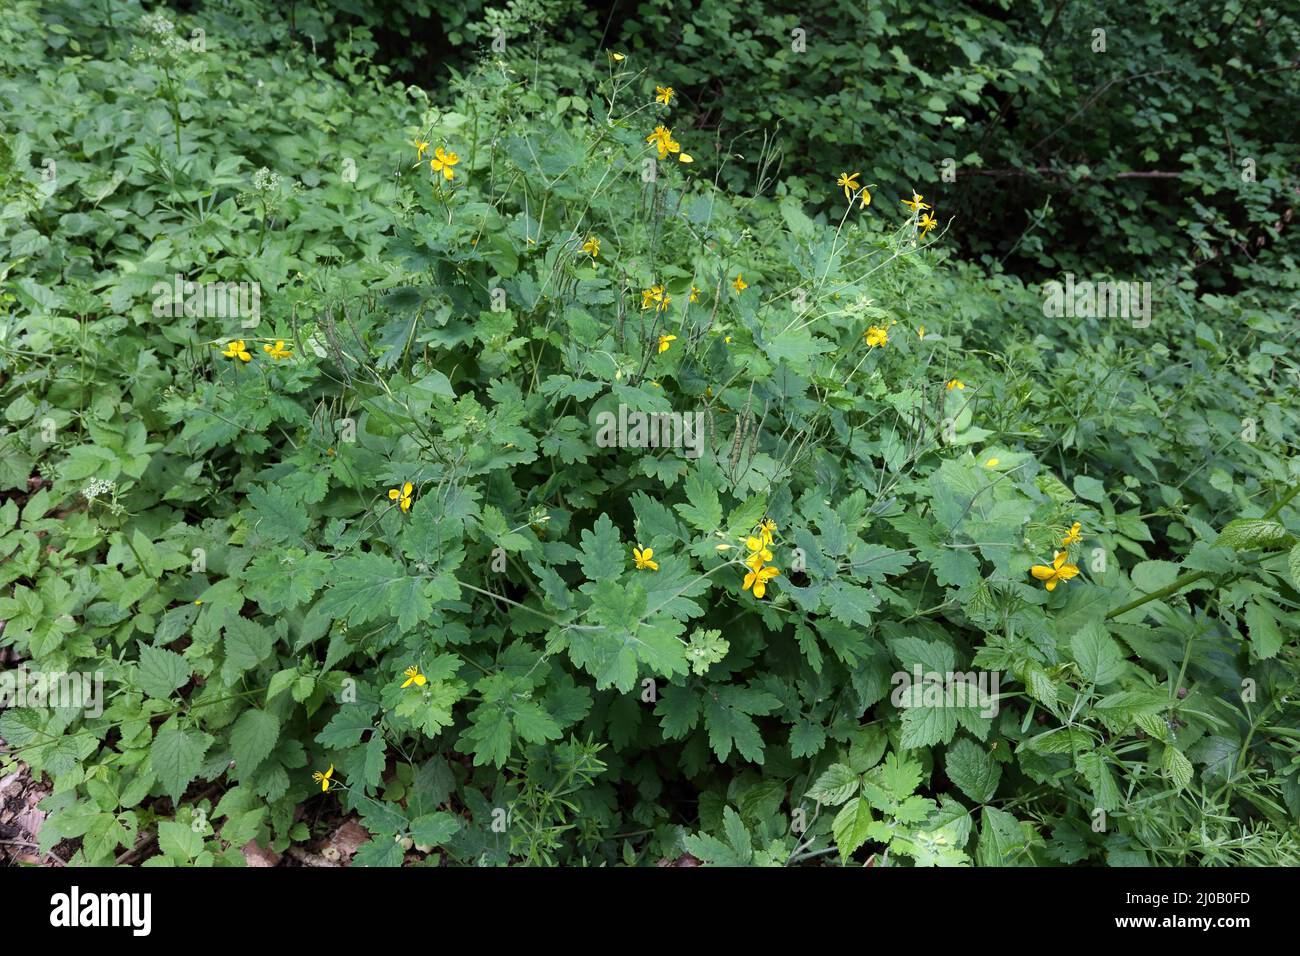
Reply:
x=1265 y=636
x=701 y=508
x=1249 y=533
x=727 y=713
x=161 y=671
x=837 y=783
x=973 y=770
x=852 y=826
x=1177 y=767
x=602 y=553
x=1098 y=656
x=435 y=829
x=251 y=739
x=176 y=756
x=247 y=645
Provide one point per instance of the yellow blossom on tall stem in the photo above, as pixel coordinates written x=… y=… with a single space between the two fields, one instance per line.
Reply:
x=420 y=147
x=324 y=779
x=591 y=246
x=926 y=223
x=740 y=285
x=765 y=529
x=850 y=183
x=235 y=349
x=402 y=495
x=695 y=294
x=915 y=203
x=442 y=162
x=277 y=351
x=662 y=140
x=664 y=95
x=956 y=383
x=758 y=552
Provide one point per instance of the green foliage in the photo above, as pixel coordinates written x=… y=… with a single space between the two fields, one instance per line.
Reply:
x=488 y=667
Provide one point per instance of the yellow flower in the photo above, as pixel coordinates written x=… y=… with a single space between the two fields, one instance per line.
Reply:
x=591 y=246
x=323 y=778
x=443 y=161
x=664 y=341
x=655 y=296
x=758 y=552
x=235 y=349
x=1073 y=537
x=740 y=285
x=685 y=158
x=695 y=294
x=926 y=223
x=413 y=676
x=642 y=557
x=850 y=183
x=765 y=530
x=662 y=140
x=757 y=580
x=920 y=333
x=664 y=95
x=956 y=383
x=420 y=147
x=402 y=496
x=616 y=57
x=1060 y=570
x=991 y=463
x=876 y=336
x=277 y=351
x=915 y=203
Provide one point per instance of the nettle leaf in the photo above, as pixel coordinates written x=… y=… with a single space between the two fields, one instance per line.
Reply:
x=837 y=783
x=1098 y=656
x=972 y=769
x=1265 y=636
x=1251 y=533
x=247 y=645
x=175 y=757
x=1293 y=564
x=727 y=718
x=252 y=739
x=852 y=826
x=161 y=671
x=1177 y=767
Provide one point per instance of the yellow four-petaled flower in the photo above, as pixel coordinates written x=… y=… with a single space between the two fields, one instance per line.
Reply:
x=664 y=95
x=442 y=162
x=323 y=778
x=413 y=676
x=277 y=351
x=1059 y=570
x=235 y=349
x=643 y=557
x=402 y=495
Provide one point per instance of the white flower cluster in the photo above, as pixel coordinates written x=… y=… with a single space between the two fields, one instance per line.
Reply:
x=98 y=488
x=265 y=181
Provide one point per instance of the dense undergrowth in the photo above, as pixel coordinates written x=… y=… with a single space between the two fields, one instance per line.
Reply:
x=378 y=541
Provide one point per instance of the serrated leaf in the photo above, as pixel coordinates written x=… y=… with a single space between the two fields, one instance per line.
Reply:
x=161 y=671
x=176 y=756
x=1177 y=767
x=836 y=784
x=852 y=826
x=1249 y=533
x=973 y=770
x=251 y=739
